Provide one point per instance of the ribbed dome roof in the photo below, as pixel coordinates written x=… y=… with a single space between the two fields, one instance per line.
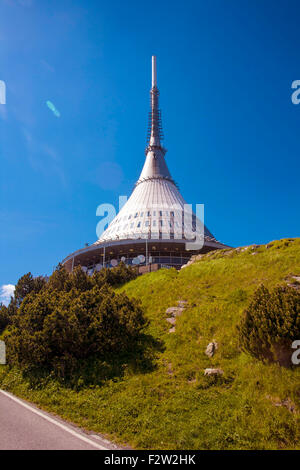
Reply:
x=154 y=210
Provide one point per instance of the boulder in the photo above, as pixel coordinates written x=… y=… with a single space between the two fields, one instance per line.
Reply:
x=174 y=311
x=182 y=303
x=211 y=349
x=213 y=372
x=287 y=403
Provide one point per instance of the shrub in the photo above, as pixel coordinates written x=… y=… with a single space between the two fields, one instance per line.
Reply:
x=115 y=276
x=55 y=325
x=271 y=323
x=78 y=279
x=54 y=330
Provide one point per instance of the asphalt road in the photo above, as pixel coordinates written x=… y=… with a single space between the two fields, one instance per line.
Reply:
x=25 y=427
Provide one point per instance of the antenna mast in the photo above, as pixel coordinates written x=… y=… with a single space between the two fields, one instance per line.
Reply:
x=155 y=133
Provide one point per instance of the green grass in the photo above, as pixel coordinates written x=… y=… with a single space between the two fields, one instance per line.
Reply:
x=175 y=406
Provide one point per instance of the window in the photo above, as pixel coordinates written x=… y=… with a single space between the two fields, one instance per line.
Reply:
x=147 y=223
x=138 y=225
x=148 y=214
x=160 y=213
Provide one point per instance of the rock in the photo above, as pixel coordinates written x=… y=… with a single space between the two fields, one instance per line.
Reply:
x=287 y=404
x=179 y=312
x=294 y=286
x=197 y=257
x=175 y=311
x=171 y=310
x=284 y=403
x=172 y=330
x=293 y=280
x=187 y=264
x=211 y=349
x=228 y=252
x=210 y=372
x=182 y=303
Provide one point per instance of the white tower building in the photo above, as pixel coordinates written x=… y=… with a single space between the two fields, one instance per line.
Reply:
x=154 y=228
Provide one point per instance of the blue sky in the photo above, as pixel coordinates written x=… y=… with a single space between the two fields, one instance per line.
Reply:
x=225 y=70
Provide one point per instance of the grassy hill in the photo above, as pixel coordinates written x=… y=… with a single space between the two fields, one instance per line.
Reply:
x=173 y=405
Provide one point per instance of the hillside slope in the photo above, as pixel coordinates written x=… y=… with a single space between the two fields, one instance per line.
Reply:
x=174 y=406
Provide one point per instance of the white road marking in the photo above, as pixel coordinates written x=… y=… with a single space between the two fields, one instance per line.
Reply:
x=53 y=421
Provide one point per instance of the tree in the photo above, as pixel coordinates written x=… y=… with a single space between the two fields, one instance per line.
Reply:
x=4 y=317
x=71 y=318
x=25 y=285
x=271 y=323
x=115 y=276
x=54 y=330
x=79 y=280
x=59 y=279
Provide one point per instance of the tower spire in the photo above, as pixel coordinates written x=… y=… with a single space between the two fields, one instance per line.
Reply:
x=155 y=166
x=154 y=74
x=155 y=134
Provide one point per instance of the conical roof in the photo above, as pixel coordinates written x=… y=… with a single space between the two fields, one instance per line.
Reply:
x=155 y=208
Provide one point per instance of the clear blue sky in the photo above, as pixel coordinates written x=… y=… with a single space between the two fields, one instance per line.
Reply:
x=225 y=70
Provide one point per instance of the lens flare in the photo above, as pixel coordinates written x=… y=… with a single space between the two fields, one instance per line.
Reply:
x=53 y=108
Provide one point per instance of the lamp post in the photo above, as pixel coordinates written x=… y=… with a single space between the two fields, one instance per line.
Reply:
x=147 y=238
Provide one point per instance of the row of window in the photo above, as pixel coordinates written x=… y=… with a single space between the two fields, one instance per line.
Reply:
x=146 y=214
x=154 y=223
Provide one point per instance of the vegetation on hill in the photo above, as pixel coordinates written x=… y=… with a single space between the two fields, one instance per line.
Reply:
x=271 y=324
x=59 y=325
x=164 y=400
